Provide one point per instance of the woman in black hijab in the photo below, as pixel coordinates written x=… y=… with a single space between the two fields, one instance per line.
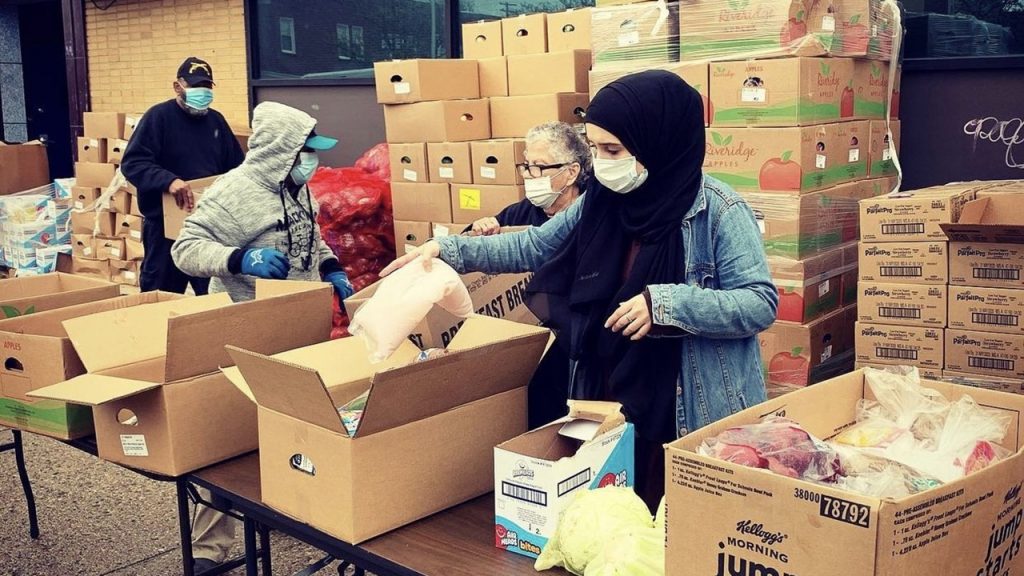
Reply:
x=656 y=281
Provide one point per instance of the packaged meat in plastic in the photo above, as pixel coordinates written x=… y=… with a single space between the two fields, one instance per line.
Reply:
x=403 y=300
x=779 y=445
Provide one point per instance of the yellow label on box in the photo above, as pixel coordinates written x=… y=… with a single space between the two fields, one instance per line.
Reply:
x=469 y=199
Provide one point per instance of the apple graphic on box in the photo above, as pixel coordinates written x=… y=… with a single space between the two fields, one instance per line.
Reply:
x=855 y=37
x=788 y=368
x=780 y=174
x=793 y=30
x=895 y=104
x=846 y=102
x=791 y=306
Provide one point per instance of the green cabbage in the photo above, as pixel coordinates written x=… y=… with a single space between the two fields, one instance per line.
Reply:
x=631 y=552
x=588 y=524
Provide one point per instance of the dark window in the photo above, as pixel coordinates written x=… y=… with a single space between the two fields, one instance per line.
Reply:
x=473 y=10
x=329 y=39
x=963 y=28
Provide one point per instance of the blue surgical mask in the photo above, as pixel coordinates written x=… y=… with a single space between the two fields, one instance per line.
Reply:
x=303 y=171
x=198 y=98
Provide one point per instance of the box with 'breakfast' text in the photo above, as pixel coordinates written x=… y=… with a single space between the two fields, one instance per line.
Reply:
x=537 y=474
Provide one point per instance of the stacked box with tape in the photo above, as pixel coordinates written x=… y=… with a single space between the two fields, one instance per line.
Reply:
x=456 y=128
x=904 y=293
x=985 y=335
x=34 y=228
x=106 y=226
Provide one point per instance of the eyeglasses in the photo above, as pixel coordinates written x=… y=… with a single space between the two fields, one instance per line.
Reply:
x=537 y=170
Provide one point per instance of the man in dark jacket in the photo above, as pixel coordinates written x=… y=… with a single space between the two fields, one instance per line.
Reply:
x=178 y=140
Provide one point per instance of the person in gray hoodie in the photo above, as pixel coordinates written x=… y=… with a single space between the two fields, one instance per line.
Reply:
x=259 y=220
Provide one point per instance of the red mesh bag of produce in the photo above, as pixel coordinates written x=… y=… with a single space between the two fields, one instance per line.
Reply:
x=376 y=162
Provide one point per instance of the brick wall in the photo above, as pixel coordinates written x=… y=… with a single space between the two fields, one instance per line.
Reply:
x=136 y=46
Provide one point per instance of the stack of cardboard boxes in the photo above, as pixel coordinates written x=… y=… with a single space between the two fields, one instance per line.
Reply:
x=940 y=286
x=106 y=228
x=456 y=127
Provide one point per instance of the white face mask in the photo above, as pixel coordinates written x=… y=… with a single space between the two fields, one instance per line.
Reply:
x=619 y=175
x=540 y=193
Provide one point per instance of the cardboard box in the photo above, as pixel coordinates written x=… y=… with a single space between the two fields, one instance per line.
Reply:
x=987 y=247
x=908 y=263
x=474 y=201
x=94 y=175
x=121 y=202
x=449 y=162
x=513 y=117
x=124 y=272
x=421 y=202
x=537 y=474
x=900 y=345
x=108 y=248
x=986 y=264
x=498 y=296
x=551 y=73
x=716 y=30
x=174 y=217
x=408 y=162
x=84 y=198
x=134 y=249
x=160 y=363
x=903 y=304
x=871 y=89
x=864 y=29
x=30 y=294
x=524 y=34
x=991 y=218
x=493 y=77
x=92 y=150
x=129 y=226
x=23 y=167
x=131 y=122
x=962 y=527
x=810 y=288
x=411 y=234
x=134 y=209
x=913 y=216
x=494 y=161
x=39 y=353
x=694 y=74
x=635 y=37
x=783 y=92
x=986 y=309
x=81 y=246
x=439 y=229
x=802 y=226
x=790 y=351
x=1007 y=385
x=794 y=160
x=851 y=274
x=90 y=268
x=569 y=30
x=422 y=80
x=93 y=223
x=985 y=353
x=882 y=150
x=421 y=421
x=115 y=151
x=446 y=121
x=481 y=40
x=928 y=373
x=108 y=125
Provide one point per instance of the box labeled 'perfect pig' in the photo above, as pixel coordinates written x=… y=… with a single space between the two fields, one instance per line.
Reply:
x=537 y=474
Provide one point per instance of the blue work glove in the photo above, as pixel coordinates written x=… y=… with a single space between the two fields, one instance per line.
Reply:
x=341 y=284
x=265 y=263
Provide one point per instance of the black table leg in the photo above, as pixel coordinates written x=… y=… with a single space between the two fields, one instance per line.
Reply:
x=265 y=550
x=249 y=528
x=184 y=527
x=26 y=485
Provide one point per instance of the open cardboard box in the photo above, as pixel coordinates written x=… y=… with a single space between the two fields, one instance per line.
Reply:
x=29 y=294
x=421 y=422
x=159 y=401
x=37 y=353
x=723 y=515
x=986 y=241
x=537 y=474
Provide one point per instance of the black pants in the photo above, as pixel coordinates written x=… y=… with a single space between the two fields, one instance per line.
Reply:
x=158 y=269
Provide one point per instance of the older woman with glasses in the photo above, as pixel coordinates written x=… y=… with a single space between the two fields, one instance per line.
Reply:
x=557 y=166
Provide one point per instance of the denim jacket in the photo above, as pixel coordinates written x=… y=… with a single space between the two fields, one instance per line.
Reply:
x=727 y=300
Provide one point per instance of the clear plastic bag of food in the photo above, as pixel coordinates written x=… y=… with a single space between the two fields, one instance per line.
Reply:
x=904 y=402
x=779 y=445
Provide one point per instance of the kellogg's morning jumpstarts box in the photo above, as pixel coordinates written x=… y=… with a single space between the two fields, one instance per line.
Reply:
x=537 y=474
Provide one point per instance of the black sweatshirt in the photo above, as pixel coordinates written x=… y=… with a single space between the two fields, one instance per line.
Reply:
x=169 y=143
